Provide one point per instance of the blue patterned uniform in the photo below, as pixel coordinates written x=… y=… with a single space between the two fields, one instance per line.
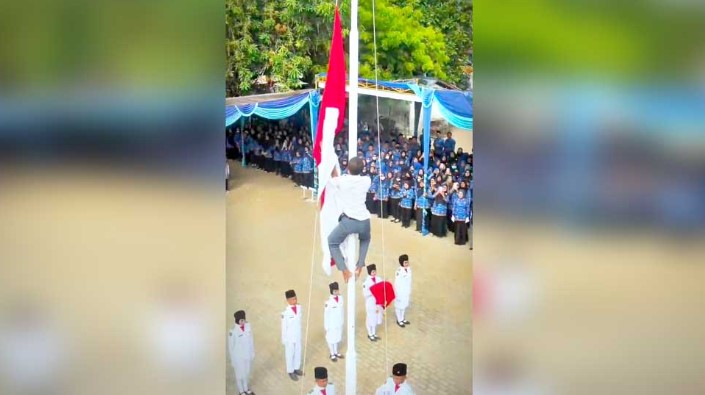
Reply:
x=373 y=184
x=449 y=145
x=307 y=164
x=438 y=146
x=451 y=201
x=286 y=156
x=395 y=193
x=423 y=201
x=383 y=189
x=277 y=156
x=407 y=198
x=297 y=164
x=461 y=209
x=439 y=208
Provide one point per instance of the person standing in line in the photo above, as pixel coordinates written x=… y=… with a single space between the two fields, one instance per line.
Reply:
x=323 y=386
x=406 y=204
x=291 y=335
x=449 y=144
x=373 y=310
x=402 y=290
x=461 y=217
x=297 y=165
x=439 y=226
x=242 y=352
x=422 y=204
x=333 y=321
x=307 y=165
x=397 y=384
x=394 y=199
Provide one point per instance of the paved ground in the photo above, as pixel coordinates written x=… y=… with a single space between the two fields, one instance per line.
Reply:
x=269 y=249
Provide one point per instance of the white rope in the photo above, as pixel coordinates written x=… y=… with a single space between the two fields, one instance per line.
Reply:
x=310 y=290
x=381 y=207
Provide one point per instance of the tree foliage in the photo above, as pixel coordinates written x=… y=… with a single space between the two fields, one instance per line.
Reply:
x=281 y=45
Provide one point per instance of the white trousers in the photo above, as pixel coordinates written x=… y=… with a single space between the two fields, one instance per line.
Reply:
x=400 y=314
x=333 y=347
x=292 y=353
x=242 y=374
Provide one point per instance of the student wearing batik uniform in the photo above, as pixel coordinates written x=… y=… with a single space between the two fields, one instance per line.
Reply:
x=382 y=196
x=422 y=206
x=439 y=210
x=297 y=165
x=333 y=320
x=449 y=144
x=323 y=386
x=372 y=191
x=397 y=384
x=452 y=196
x=287 y=158
x=406 y=203
x=291 y=335
x=438 y=146
x=461 y=217
x=394 y=199
x=373 y=310
x=307 y=165
x=242 y=352
x=402 y=290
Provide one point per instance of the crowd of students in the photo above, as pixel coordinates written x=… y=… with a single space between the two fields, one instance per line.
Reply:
x=439 y=200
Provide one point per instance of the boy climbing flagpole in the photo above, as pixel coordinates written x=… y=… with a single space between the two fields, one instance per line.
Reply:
x=351 y=362
x=332 y=115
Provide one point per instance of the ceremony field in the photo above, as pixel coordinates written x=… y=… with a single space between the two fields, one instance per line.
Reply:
x=270 y=242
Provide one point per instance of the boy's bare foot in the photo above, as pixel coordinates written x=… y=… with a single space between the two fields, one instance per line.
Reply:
x=357 y=272
x=346 y=275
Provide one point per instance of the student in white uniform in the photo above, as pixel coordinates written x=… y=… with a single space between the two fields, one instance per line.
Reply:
x=397 y=384
x=323 y=387
x=291 y=335
x=402 y=290
x=333 y=321
x=242 y=352
x=374 y=311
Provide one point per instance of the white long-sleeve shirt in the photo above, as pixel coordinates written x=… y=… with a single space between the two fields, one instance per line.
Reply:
x=351 y=196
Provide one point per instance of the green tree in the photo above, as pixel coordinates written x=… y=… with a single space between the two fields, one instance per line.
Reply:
x=282 y=45
x=453 y=18
x=405 y=47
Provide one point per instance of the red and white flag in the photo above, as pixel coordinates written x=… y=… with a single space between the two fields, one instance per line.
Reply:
x=330 y=123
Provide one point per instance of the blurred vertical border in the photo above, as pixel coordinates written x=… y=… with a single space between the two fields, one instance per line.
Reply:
x=112 y=215
x=589 y=207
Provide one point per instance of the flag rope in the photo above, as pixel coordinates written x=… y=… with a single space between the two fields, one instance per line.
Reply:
x=381 y=207
x=310 y=290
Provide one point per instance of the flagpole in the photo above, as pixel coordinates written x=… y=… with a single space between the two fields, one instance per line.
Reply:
x=352 y=242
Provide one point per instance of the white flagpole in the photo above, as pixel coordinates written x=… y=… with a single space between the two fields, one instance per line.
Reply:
x=352 y=242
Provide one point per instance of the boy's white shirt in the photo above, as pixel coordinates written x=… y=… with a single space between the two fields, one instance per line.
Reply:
x=352 y=194
x=388 y=388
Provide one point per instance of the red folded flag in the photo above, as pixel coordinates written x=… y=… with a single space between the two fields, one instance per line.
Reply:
x=383 y=293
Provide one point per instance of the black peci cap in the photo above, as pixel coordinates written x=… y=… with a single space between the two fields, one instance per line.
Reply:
x=320 y=373
x=370 y=268
x=403 y=258
x=290 y=294
x=399 y=369
x=239 y=315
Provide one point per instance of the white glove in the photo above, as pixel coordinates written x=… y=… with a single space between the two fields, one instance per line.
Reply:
x=467 y=220
x=452 y=218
